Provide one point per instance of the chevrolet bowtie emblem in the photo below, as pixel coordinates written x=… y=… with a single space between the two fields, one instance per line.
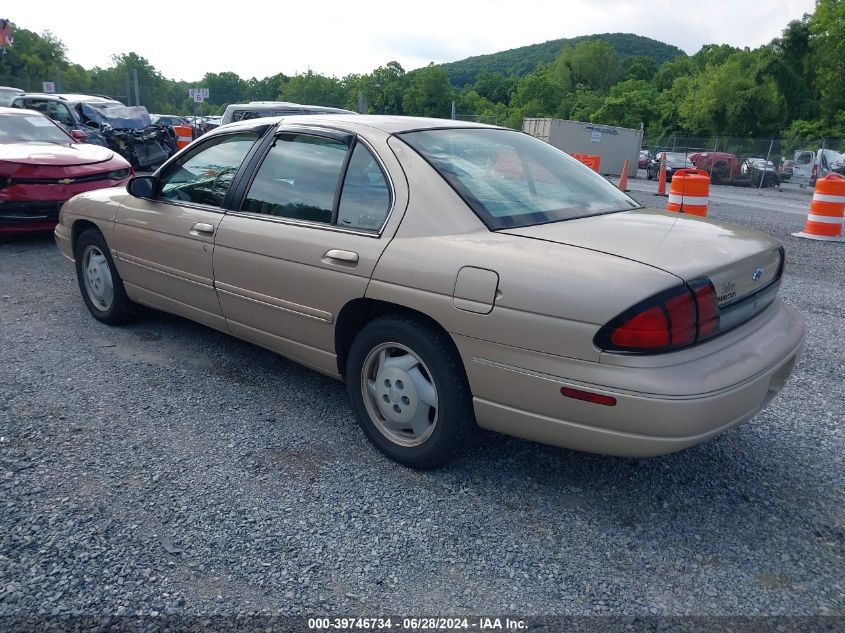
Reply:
x=67 y=181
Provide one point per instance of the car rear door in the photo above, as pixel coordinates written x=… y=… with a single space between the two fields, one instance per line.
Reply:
x=163 y=245
x=303 y=242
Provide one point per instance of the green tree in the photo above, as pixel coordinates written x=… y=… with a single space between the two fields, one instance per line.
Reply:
x=494 y=87
x=629 y=103
x=593 y=64
x=429 y=93
x=223 y=88
x=314 y=89
x=32 y=59
x=736 y=97
x=827 y=28
x=383 y=88
x=638 y=67
x=539 y=94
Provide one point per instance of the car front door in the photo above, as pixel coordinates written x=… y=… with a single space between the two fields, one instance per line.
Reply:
x=802 y=171
x=303 y=242
x=163 y=245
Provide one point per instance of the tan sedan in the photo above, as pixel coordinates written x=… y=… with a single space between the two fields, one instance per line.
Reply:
x=453 y=275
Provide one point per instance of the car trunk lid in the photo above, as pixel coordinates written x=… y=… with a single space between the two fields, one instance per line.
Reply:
x=740 y=262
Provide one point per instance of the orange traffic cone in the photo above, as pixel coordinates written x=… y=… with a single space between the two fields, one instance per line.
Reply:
x=661 y=178
x=623 y=179
x=827 y=210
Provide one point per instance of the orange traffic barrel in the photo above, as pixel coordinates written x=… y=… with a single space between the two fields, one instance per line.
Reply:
x=827 y=210
x=689 y=192
x=590 y=160
x=183 y=135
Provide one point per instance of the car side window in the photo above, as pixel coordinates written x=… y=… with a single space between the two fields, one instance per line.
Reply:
x=365 y=197
x=59 y=112
x=35 y=104
x=203 y=175
x=298 y=178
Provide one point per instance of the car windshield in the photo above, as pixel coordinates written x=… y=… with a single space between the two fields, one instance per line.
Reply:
x=16 y=128
x=677 y=157
x=511 y=179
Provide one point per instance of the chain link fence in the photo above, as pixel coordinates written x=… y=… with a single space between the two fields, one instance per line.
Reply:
x=478 y=118
x=737 y=160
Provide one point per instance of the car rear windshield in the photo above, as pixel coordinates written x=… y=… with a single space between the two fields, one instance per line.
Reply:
x=511 y=179
x=16 y=128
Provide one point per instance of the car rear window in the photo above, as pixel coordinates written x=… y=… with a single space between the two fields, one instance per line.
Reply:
x=511 y=179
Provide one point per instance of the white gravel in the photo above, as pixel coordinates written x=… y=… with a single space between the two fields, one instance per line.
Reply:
x=164 y=467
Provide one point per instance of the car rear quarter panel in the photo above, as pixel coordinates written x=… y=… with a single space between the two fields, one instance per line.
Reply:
x=551 y=298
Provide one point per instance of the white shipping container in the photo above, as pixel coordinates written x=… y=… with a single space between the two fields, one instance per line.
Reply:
x=613 y=144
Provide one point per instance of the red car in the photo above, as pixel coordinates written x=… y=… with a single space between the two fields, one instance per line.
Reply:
x=42 y=166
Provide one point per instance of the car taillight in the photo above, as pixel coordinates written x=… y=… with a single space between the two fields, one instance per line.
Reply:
x=667 y=321
x=708 y=310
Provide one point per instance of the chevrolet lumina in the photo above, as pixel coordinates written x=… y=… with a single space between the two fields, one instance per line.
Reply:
x=453 y=275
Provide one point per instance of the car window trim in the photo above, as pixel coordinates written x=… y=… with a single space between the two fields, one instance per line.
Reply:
x=258 y=158
x=227 y=198
x=341 y=178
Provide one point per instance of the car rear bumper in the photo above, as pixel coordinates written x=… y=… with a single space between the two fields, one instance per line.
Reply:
x=515 y=396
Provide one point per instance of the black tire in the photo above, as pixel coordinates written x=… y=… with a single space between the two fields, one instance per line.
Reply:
x=120 y=309
x=455 y=419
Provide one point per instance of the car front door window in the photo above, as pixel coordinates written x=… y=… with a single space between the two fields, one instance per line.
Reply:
x=204 y=175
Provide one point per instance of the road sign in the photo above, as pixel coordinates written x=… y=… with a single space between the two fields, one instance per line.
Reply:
x=193 y=93
x=198 y=98
x=48 y=86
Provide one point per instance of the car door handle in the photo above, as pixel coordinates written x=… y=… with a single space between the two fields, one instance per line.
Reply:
x=348 y=257
x=202 y=227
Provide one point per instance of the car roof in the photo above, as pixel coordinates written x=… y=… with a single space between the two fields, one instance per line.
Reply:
x=272 y=105
x=385 y=123
x=69 y=97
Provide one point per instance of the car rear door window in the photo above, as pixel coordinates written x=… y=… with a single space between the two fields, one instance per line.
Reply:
x=298 y=178
x=203 y=175
x=365 y=197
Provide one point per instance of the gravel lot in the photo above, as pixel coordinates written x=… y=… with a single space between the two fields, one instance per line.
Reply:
x=164 y=467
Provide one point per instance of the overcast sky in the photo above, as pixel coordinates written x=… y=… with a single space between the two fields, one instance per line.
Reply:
x=184 y=40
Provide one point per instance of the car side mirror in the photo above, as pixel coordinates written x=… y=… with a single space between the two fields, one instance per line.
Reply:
x=141 y=186
x=79 y=136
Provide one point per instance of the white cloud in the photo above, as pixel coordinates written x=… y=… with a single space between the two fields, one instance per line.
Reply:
x=339 y=38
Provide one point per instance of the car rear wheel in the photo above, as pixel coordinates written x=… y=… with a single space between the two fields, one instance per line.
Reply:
x=409 y=391
x=99 y=282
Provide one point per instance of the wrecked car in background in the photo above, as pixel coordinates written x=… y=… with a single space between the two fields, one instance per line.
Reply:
x=127 y=130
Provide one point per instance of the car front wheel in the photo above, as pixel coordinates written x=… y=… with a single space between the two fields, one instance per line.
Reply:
x=409 y=391
x=99 y=282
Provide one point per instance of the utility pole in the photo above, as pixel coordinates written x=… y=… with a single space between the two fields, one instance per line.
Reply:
x=137 y=94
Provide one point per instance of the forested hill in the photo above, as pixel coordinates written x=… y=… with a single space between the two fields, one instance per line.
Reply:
x=523 y=60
